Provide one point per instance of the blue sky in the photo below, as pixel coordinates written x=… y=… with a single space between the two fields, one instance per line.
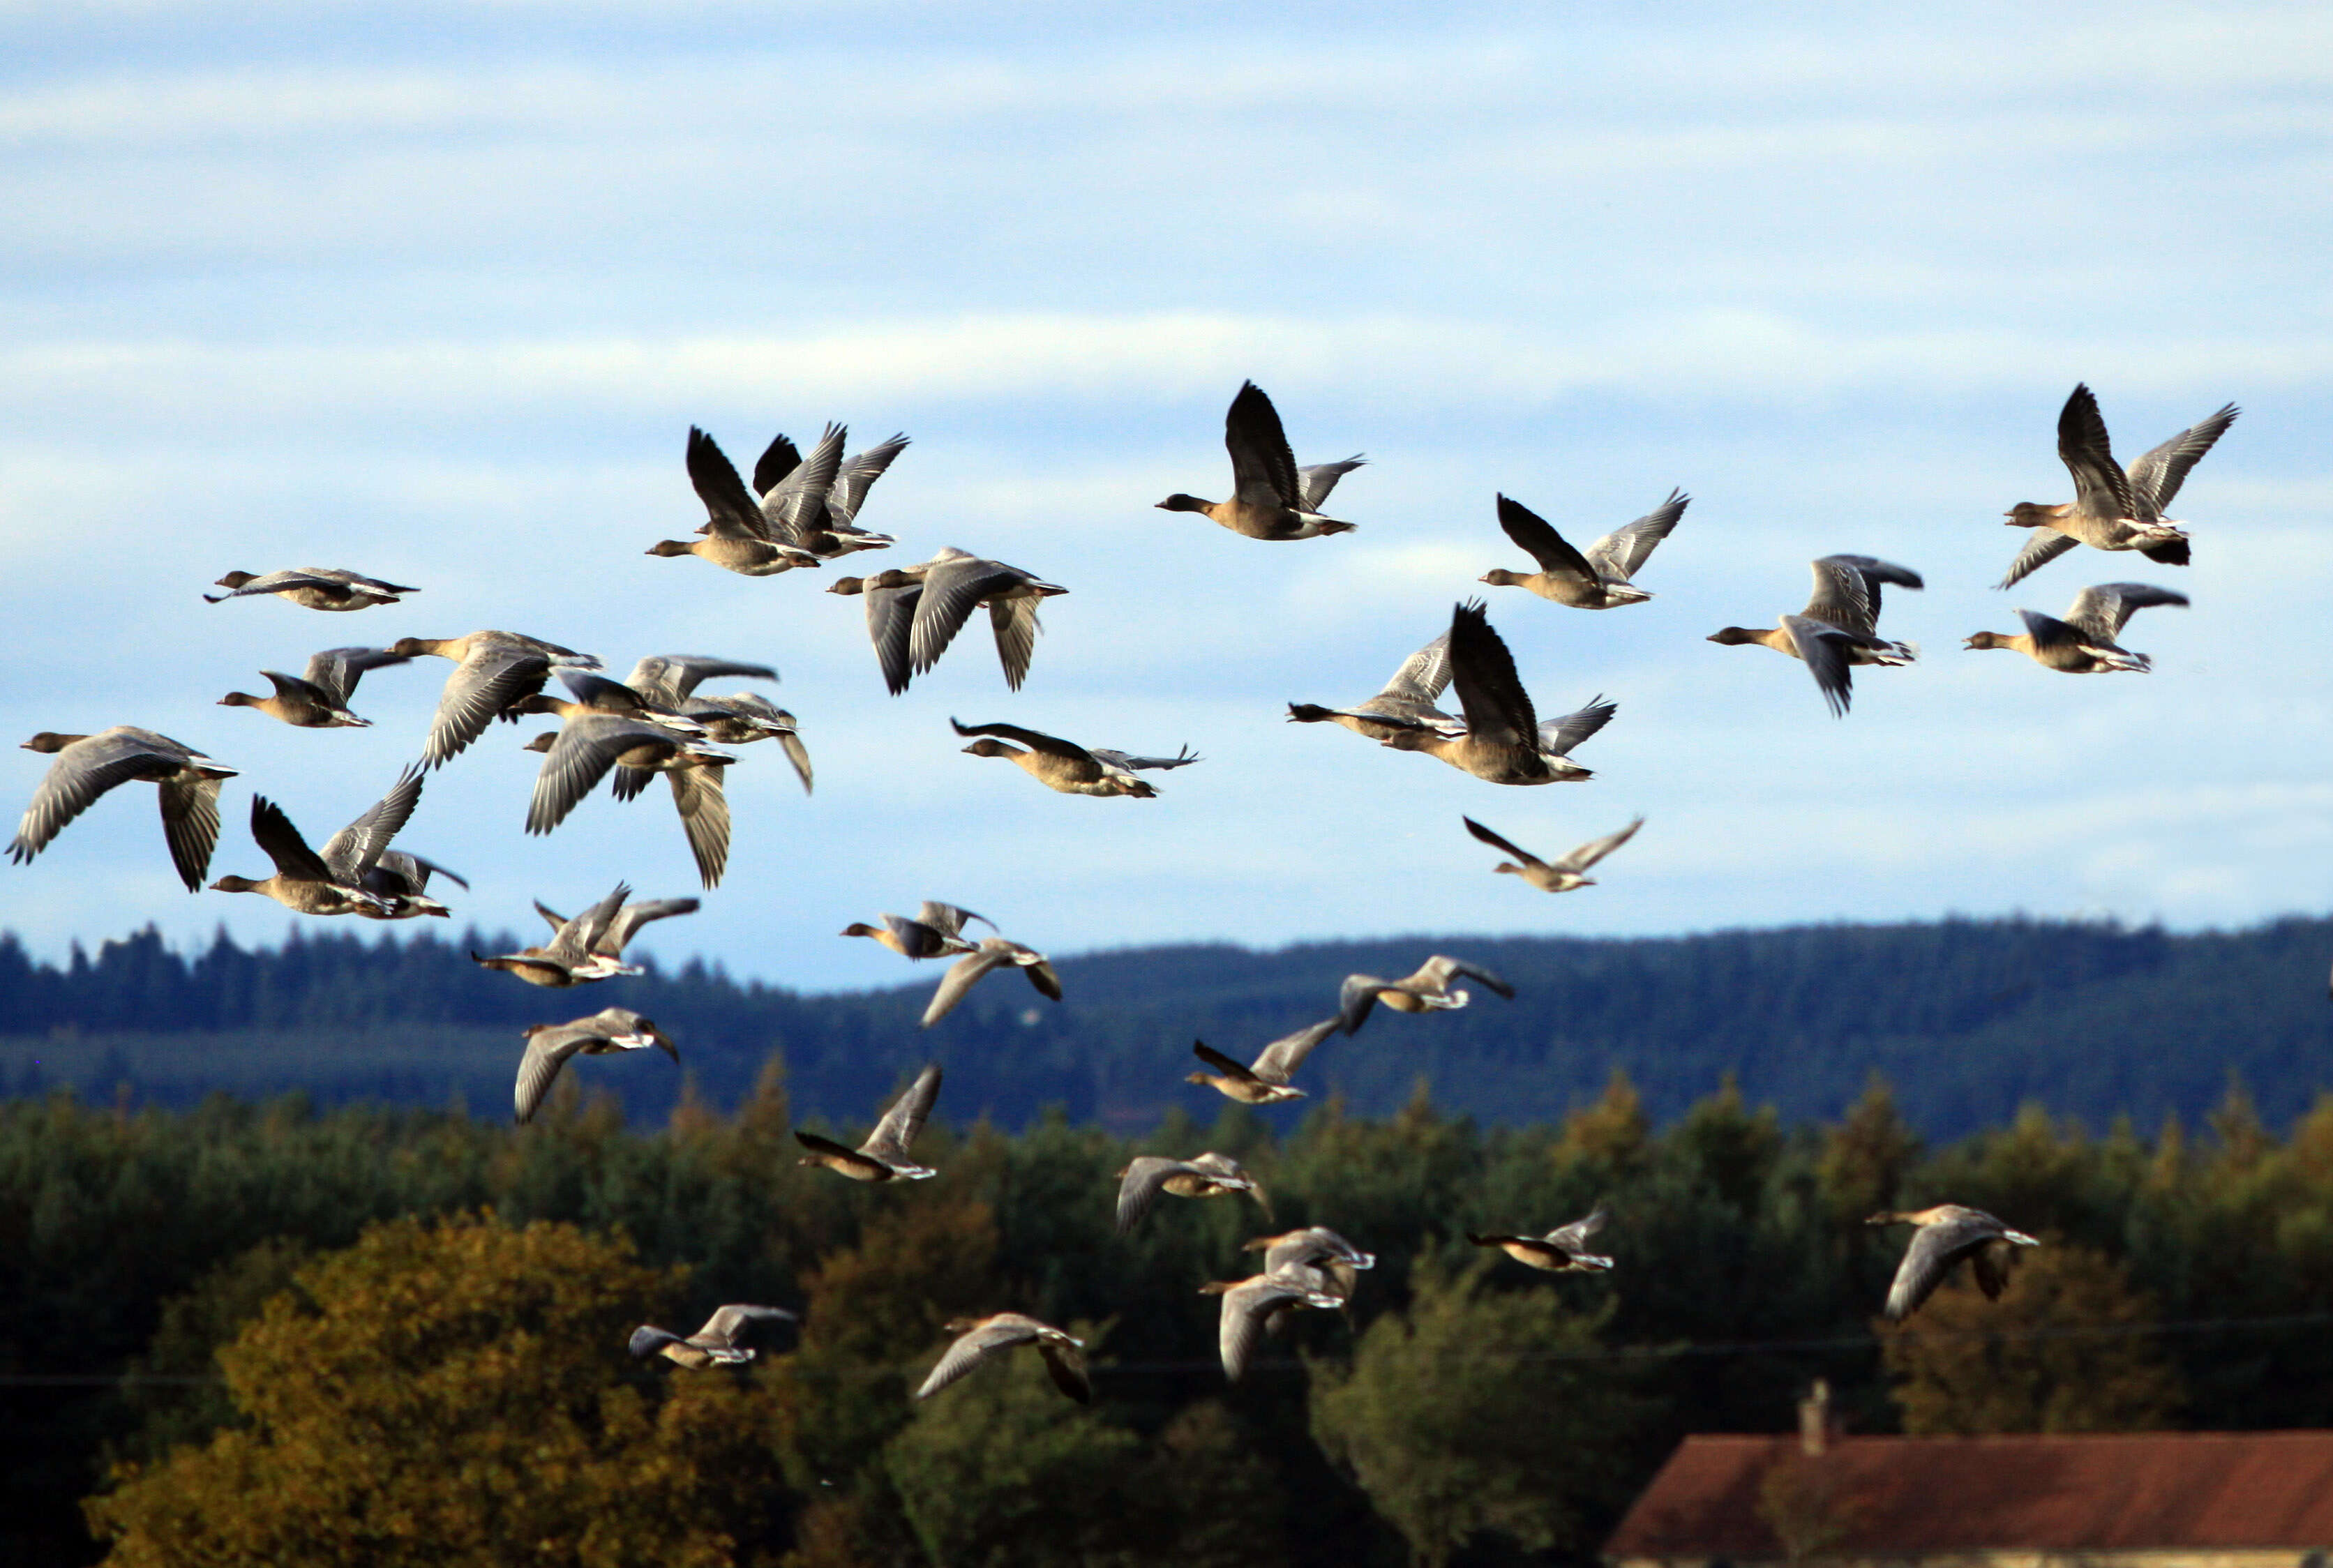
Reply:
x=436 y=296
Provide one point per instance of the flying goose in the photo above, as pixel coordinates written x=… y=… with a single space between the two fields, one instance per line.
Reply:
x=1272 y=498
x=1839 y=627
x=714 y=1345
x=403 y=880
x=87 y=766
x=1501 y=740
x=1316 y=1257
x=316 y=587
x=980 y=1338
x=1563 y=1250
x=1948 y=1233
x=2112 y=509
x=936 y=932
x=1598 y=579
x=2083 y=644
x=742 y=718
x=1403 y=713
x=993 y=952
x=320 y=699
x=836 y=530
x=590 y=947
x=1256 y=1305
x=955 y=584
x=306 y=883
x=359 y=855
x=1207 y=1175
x=884 y=1156
x=1067 y=767
x=493 y=672
x=737 y=536
x=1265 y=1083
x=1559 y=875
x=582 y=750
x=1428 y=990
x=604 y=1033
x=891 y=596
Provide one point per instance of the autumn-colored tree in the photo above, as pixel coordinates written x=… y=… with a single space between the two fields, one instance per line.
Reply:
x=1613 y=1136
x=1478 y=1411
x=2065 y=1350
x=452 y=1392
x=1865 y=1156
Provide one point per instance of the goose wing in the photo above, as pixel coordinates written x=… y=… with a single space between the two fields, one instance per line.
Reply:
x=1824 y=647
x=796 y=504
x=975 y=1345
x=1065 y=1363
x=574 y=940
x=728 y=505
x=1281 y=1058
x=1557 y=737
x=1264 y=467
x=1422 y=676
x=1533 y=533
x=890 y=626
x=1247 y=1306
x=905 y=1118
x=626 y=921
x=953 y=590
x=1620 y=553
x=2100 y=487
x=2155 y=478
x=1573 y=1237
x=1182 y=758
x=335 y=672
x=480 y=687
x=1221 y=1062
x=274 y=833
x=86 y=769
x=1036 y=740
x=702 y=799
x=1441 y=969
x=2043 y=545
x=844 y=1152
x=2103 y=610
x=858 y=476
x=961 y=976
x=1596 y=849
x=668 y=679
x=1506 y=846
x=1844 y=596
x=1315 y=481
x=1145 y=1179
x=778 y=459
x=357 y=849
x=723 y=1326
x=947 y=919
x=547 y=1051
x=190 y=823
x=578 y=760
x=1934 y=1249
x=1014 y=622
x=1355 y=998
x=1498 y=710
x=2050 y=631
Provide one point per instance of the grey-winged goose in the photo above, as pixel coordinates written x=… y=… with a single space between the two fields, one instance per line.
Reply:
x=955 y=584
x=1839 y=629
x=836 y=530
x=1207 y=1175
x=319 y=700
x=493 y=672
x=1066 y=766
x=307 y=883
x=87 y=766
x=1256 y=1306
x=980 y=1338
x=1558 y=875
x=737 y=536
x=1272 y=498
x=1266 y=1083
x=1501 y=740
x=714 y=1345
x=1597 y=578
x=883 y=1157
x=989 y=954
x=590 y=946
x=1403 y=713
x=1948 y=1233
x=936 y=932
x=589 y=746
x=1563 y=1250
x=2083 y=644
x=549 y=1047
x=2113 y=508
x=1428 y=990
x=315 y=588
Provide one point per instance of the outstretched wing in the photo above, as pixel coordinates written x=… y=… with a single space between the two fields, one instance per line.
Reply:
x=905 y=1118
x=728 y=504
x=1596 y=849
x=2155 y=478
x=2044 y=546
x=1557 y=737
x=1498 y=710
x=1824 y=647
x=961 y=976
x=1316 y=479
x=1281 y=1058
x=1424 y=674
x=1934 y=1249
x=1620 y=552
x=284 y=846
x=2103 y=610
x=1534 y=533
x=1138 y=1189
x=2099 y=486
x=358 y=847
x=1263 y=468
x=970 y=1350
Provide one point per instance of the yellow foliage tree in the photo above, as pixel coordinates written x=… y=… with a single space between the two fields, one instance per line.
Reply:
x=452 y=1393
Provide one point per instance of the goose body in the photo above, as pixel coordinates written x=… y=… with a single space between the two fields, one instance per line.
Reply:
x=1563 y=1250
x=1839 y=629
x=1947 y=1234
x=2083 y=643
x=883 y=1157
x=88 y=766
x=978 y=1340
x=550 y=1047
x=2113 y=508
x=714 y=1345
x=1266 y=1082
x=1597 y=578
x=1272 y=498
x=1066 y=766
x=1428 y=990
x=315 y=588
x=1561 y=874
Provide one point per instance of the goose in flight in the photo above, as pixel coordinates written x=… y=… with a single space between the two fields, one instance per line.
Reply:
x=737 y=536
x=831 y=529
x=1265 y=1083
x=1317 y=1257
x=1066 y=766
x=1559 y=875
x=1402 y=715
x=319 y=700
x=590 y=947
x=315 y=588
x=884 y=1156
x=992 y=953
x=980 y=1338
x=1272 y=498
x=2083 y=644
x=550 y=1046
x=2113 y=508
x=1839 y=629
x=1207 y=1175
x=1563 y=1250
x=87 y=766
x=1598 y=579
x=306 y=883
x=403 y=880
x=955 y=584
x=1428 y=990
x=1256 y=1306
x=493 y=672
x=714 y=1345
x=936 y=932
x=891 y=596
x=588 y=746
x=1501 y=740
x=1947 y=1233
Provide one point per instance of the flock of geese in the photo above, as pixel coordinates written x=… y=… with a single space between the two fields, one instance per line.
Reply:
x=801 y=512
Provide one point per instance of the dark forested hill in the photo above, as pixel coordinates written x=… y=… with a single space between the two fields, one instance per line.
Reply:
x=1968 y=1018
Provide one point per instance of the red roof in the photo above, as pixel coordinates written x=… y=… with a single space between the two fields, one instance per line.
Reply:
x=1897 y=1496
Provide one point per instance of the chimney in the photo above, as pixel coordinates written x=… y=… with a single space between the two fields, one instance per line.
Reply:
x=1815 y=1422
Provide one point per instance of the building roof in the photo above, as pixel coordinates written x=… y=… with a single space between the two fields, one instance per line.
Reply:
x=2128 y=1491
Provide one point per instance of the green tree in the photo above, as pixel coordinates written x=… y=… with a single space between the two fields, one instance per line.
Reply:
x=2064 y=1350
x=451 y=1393
x=1865 y=1156
x=1479 y=1411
